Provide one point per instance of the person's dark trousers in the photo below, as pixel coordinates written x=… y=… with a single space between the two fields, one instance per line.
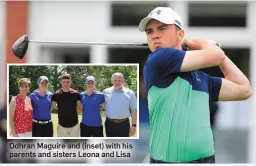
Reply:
x=117 y=127
x=91 y=131
x=210 y=159
x=42 y=130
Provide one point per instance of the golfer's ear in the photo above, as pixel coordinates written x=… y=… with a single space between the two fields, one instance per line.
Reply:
x=181 y=35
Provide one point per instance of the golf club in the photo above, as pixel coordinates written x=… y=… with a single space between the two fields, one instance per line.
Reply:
x=20 y=47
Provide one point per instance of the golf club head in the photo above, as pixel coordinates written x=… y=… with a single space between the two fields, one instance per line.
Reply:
x=20 y=47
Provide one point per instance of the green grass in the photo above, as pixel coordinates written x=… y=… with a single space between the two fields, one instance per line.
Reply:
x=55 y=123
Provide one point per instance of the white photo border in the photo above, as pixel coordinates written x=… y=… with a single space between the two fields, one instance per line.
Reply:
x=73 y=64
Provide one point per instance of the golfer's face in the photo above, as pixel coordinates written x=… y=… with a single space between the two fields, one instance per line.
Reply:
x=118 y=82
x=24 y=89
x=90 y=85
x=43 y=85
x=160 y=35
x=66 y=83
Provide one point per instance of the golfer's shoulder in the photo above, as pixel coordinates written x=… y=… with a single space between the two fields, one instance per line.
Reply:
x=163 y=54
x=34 y=93
x=97 y=92
x=128 y=91
x=82 y=93
x=108 y=90
x=48 y=93
x=13 y=100
x=58 y=92
x=74 y=91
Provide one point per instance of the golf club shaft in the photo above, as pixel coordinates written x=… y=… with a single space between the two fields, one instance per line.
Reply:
x=102 y=43
x=92 y=43
x=20 y=46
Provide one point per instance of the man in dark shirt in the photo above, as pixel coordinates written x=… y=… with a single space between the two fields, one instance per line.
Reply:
x=67 y=100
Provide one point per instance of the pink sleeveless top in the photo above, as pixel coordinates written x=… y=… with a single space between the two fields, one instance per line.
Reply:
x=23 y=115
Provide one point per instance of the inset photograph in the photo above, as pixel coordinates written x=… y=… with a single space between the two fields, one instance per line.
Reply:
x=72 y=101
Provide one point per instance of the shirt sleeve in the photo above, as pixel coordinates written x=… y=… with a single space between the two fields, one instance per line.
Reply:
x=51 y=95
x=214 y=85
x=102 y=99
x=54 y=97
x=78 y=97
x=103 y=92
x=81 y=96
x=133 y=101
x=168 y=60
x=32 y=100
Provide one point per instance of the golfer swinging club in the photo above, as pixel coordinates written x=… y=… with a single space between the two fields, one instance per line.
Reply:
x=179 y=94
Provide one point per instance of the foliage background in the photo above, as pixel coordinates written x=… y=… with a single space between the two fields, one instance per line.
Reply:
x=53 y=72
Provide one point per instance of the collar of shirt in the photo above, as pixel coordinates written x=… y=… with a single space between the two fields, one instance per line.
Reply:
x=37 y=93
x=121 y=90
x=86 y=92
x=67 y=91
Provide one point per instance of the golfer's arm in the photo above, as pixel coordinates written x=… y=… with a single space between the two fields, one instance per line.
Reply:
x=236 y=85
x=134 y=116
x=79 y=106
x=104 y=106
x=12 y=108
x=210 y=56
x=54 y=105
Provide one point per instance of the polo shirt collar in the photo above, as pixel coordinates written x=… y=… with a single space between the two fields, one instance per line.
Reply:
x=37 y=93
x=86 y=92
x=121 y=90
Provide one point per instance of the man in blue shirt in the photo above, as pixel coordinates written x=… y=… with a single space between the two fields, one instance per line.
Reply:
x=41 y=100
x=120 y=104
x=179 y=95
x=91 y=125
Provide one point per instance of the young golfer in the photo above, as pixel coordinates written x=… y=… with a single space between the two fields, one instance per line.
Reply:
x=179 y=94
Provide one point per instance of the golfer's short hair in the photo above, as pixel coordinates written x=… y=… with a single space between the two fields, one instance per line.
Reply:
x=66 y=76
x=177 y=28
x=117 y=75
x=24 y=81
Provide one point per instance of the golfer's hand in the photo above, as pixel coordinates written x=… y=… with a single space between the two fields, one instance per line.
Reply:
x=132 y=131
x=197 y=44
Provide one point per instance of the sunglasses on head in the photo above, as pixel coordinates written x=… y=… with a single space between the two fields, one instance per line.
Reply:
x=66 y=77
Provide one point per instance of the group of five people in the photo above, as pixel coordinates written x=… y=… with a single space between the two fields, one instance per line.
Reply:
x=31 y=115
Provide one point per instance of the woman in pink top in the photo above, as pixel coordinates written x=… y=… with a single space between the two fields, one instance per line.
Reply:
x=21 y=111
